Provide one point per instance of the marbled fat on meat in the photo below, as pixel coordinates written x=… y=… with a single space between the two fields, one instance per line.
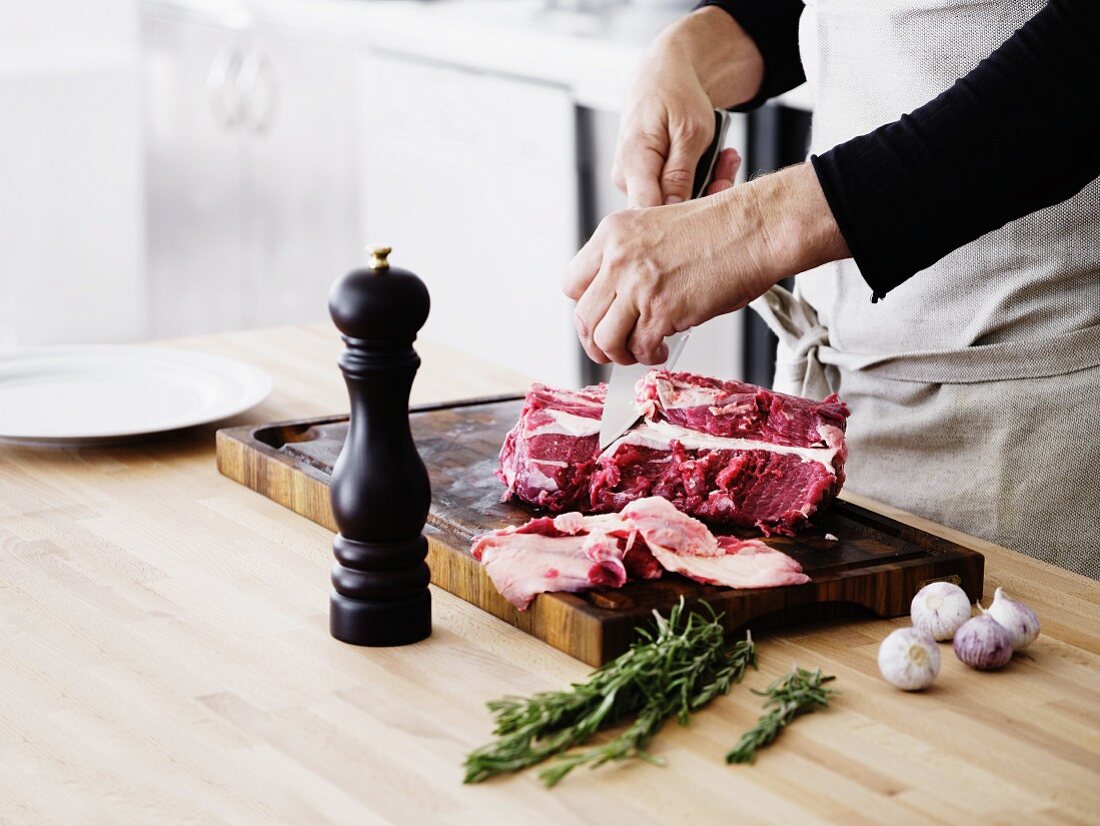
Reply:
x=727 y=452
x=736 y=409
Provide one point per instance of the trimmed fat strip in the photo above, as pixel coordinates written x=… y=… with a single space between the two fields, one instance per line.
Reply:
x=662 y=526
x=528 y=565
x=746 y=563
x=683 y=545
x=572 y=552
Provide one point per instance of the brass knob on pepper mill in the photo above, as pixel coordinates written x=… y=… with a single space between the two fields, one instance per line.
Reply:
x=380 y=491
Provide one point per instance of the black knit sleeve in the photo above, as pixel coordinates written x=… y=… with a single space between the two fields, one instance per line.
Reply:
x=773 y=26
x=1018 y=133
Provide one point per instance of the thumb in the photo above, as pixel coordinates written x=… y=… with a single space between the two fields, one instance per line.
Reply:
x=678 y=175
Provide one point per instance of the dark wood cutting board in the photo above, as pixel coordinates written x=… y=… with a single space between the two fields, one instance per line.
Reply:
x=875 y=566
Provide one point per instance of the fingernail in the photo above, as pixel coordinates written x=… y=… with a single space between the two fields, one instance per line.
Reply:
x=673 y=199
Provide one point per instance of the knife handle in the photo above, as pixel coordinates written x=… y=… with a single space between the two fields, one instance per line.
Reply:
x=704 y=170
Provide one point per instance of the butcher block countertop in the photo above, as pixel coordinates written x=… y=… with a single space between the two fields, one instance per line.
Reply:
x=165 y=657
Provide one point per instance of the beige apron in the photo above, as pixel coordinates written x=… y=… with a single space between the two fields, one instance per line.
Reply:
x=975 y=385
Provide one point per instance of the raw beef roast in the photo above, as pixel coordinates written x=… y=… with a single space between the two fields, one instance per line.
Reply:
x=724 y=451
x=572 y=552
x=548 y=457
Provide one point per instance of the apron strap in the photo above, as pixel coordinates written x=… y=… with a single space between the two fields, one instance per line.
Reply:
x=805 y=353
x=799 y=368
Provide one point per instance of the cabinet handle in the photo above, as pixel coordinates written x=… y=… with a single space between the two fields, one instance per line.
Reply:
x=259 y=92
x=221 y=82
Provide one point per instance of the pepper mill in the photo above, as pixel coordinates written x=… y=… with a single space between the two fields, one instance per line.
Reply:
x=380 y=491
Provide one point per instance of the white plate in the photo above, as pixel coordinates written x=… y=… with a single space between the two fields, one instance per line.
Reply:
x=65 y=395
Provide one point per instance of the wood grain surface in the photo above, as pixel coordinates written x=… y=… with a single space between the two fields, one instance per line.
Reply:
x=165 y=658
x=875 y=565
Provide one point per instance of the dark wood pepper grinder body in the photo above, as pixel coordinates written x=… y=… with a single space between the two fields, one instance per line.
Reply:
x=380 y=491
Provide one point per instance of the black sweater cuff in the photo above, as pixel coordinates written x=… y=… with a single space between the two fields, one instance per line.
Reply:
x=773 y=26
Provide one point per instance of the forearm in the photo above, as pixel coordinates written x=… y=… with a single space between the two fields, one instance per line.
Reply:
x=772 y=26
x=786 y=224
x=647 y=273
x=1018 y=133
x=801 y=230
x=724 y=58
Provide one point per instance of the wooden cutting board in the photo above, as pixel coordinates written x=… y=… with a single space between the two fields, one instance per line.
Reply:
x=875 y=566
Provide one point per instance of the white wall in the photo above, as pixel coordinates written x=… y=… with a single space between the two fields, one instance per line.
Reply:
x=70 y=172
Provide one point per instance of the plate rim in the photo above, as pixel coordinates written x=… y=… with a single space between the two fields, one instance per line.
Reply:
x=257 y=386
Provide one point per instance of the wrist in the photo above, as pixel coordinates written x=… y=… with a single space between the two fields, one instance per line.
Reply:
x=797 y=228
x=723 y=56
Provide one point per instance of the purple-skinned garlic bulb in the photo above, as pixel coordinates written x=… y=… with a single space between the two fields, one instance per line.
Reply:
x=983 y=643
x=939 y=608
x=1018 y=619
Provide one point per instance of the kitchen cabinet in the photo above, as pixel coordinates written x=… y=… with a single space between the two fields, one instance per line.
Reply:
x=301 y=214
x=70 y=173
x=250 y=184
x=472 y=178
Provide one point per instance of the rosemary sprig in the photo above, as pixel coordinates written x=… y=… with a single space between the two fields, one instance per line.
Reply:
x=676 y=671
x=799 y=692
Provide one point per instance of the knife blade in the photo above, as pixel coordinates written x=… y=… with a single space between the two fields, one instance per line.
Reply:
x=619 y=413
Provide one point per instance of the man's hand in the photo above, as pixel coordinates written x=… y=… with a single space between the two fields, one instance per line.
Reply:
x=670 y=263
x=647 y=342
x=648 y=273
x=704 y=61
x=662 y=135
x=725 y=171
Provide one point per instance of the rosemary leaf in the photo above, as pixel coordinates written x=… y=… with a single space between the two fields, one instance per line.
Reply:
x=675 y=671
x=799 y=692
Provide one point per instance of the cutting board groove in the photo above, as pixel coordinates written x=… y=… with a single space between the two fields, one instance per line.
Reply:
x=874 y=568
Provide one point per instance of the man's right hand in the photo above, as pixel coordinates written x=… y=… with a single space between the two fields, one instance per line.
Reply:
x=701 y=62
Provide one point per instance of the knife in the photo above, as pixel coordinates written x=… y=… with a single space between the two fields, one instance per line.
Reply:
x=619 y=413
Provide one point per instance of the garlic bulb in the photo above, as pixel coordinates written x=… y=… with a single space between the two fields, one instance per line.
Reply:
x=983 y=643
x=909 y=658
x=1019 y=620
x=939 y=608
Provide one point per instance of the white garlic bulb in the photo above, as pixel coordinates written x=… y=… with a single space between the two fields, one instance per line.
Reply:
x=939 y=608
x=1018 y=619
x=909 y=659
